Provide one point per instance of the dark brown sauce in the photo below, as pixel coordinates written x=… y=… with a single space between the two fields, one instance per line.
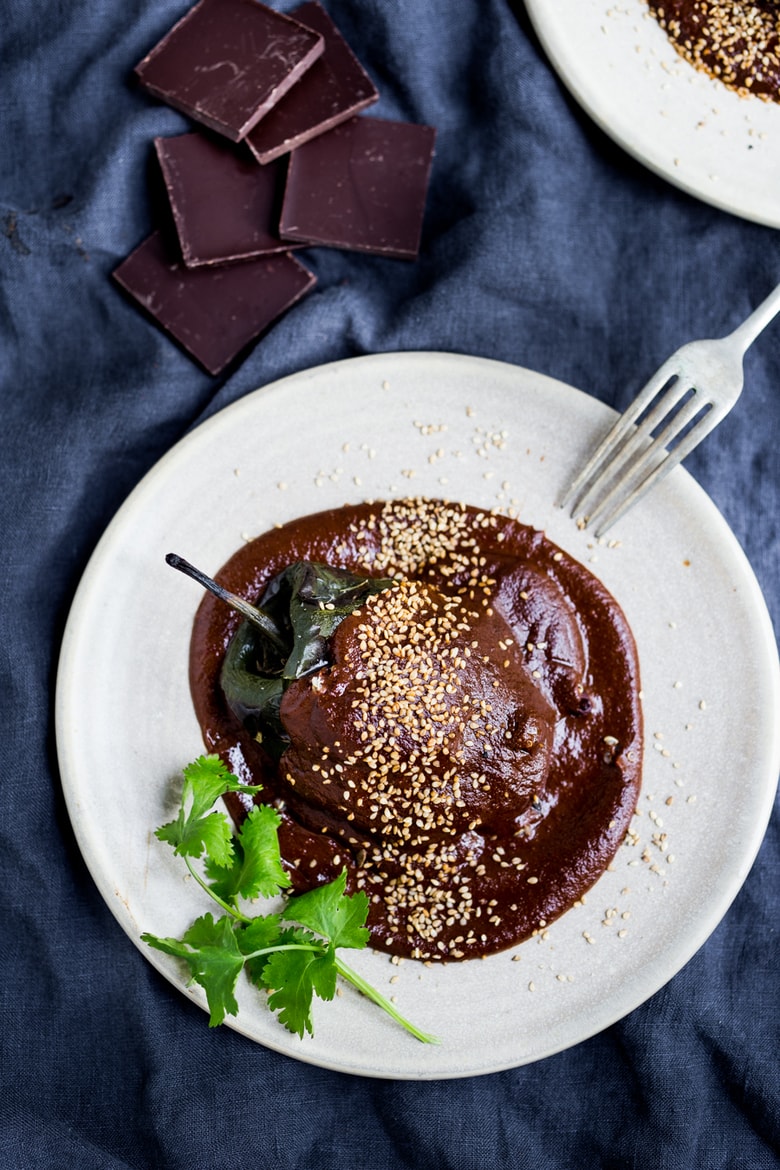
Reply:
x=472 y=755
x=735 y=42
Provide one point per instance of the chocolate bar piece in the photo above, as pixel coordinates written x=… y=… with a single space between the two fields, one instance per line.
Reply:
x=224 y=205
x=213 y=313
x=227 y=62
x=361 y=187
x=335 y=88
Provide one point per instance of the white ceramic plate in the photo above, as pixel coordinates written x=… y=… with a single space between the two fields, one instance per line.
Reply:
x=493 y=435
x=706 y=139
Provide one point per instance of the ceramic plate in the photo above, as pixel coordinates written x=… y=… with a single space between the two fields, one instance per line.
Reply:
x=621 y=67
x=496 y=436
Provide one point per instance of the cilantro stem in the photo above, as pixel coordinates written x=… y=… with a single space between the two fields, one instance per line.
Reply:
x=376 y=997
x=320 y=947
x=220 y=902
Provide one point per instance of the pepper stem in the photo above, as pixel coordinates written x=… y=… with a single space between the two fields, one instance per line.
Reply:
x=250 y=612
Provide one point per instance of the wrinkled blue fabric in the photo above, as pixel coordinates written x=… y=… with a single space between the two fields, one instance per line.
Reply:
x=544 y=245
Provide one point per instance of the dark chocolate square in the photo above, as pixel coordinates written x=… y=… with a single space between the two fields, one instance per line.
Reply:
x=361 y=187
x=227 y=62
x=335 y=88
x=214 y=313
x=224 y=205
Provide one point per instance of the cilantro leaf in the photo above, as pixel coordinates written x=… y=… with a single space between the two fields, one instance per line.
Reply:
x=293 y=977
x=205 y=780
x=255 y=868
x=211 y=951
x=190 y=837
x=197 y=829
x=339 y=917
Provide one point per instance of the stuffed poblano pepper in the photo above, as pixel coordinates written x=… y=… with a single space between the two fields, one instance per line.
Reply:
x=282 y=638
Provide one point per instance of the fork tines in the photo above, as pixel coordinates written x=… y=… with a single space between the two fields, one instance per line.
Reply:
x=636 y=451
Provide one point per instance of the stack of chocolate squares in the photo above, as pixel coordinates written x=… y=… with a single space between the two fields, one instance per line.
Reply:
x=283 y=161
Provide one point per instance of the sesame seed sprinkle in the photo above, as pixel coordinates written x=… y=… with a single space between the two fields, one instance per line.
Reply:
x=734 y=42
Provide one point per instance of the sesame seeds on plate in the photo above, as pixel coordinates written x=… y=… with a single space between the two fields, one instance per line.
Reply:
x=736 y=43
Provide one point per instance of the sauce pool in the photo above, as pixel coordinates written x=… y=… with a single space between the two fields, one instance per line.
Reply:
x=471 y=754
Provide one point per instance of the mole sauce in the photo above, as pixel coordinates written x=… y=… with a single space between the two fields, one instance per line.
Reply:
x=472 y=753
x=734 y=42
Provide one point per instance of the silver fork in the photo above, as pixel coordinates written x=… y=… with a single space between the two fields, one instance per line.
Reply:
x=700 y=382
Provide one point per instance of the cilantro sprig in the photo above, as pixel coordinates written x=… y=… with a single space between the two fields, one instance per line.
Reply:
x=292 y=954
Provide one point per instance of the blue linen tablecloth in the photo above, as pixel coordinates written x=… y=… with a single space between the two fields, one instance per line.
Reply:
x=544 y=245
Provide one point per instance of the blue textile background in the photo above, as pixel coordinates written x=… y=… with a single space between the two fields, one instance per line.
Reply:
x=544 y=245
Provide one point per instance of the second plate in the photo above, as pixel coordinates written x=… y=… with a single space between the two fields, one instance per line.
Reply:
x=682 y=124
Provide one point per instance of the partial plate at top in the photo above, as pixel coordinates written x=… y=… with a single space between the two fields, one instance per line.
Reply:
x=621 y=67
x=496 y=436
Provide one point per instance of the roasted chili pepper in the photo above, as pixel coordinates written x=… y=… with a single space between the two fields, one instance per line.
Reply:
x=284 y=637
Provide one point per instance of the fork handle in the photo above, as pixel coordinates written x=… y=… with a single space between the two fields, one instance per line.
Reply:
x=746 y=333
